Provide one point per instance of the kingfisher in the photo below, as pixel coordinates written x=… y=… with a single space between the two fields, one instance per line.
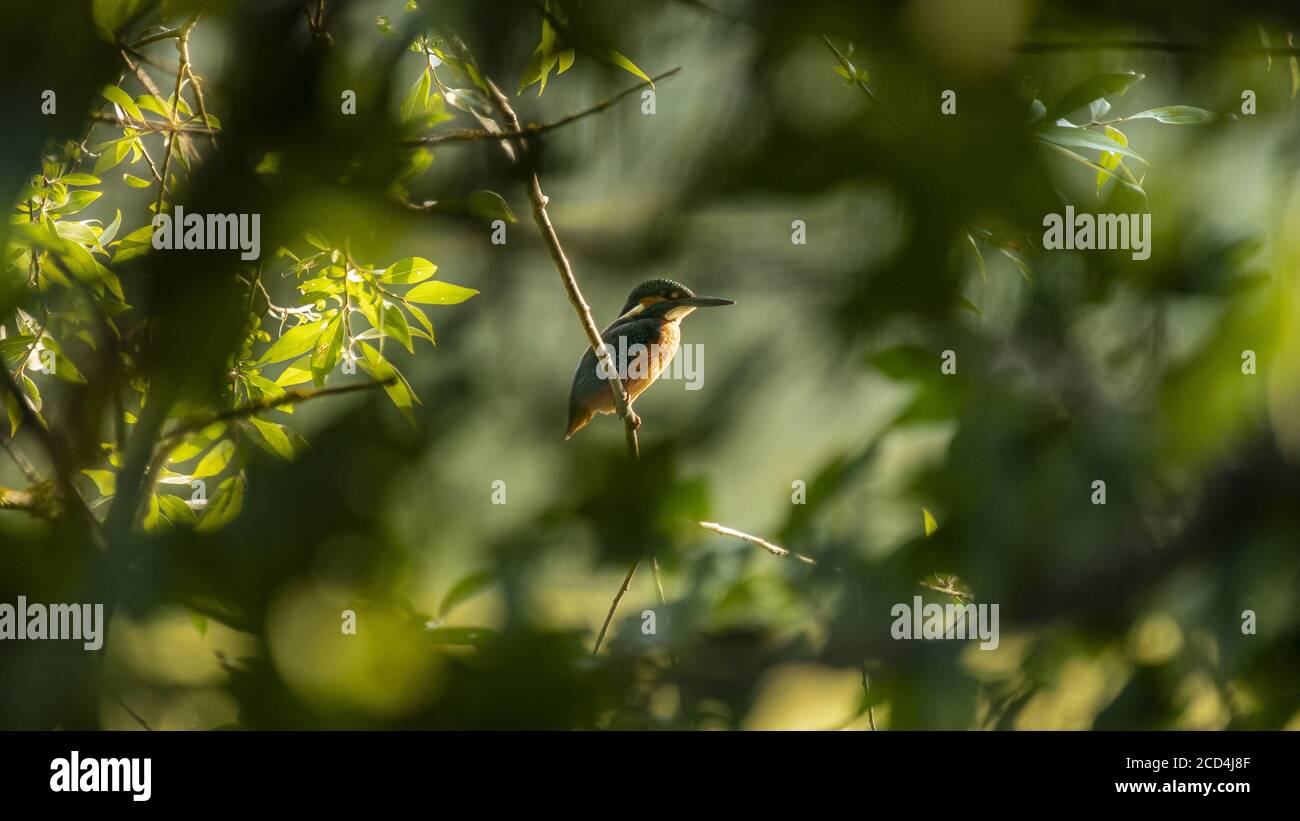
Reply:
x=651 y=319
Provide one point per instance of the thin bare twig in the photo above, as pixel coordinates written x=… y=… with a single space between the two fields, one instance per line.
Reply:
x=613 y=606
x=532 y=130
x=182 y=47
x=538 y=199
x=517 y=151
x=775 y=550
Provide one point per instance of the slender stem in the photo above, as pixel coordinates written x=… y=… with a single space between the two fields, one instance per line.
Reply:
x=538 y=199
x=613 y=606
x=775 y=550
x=182 y=46
x=289 y=397
x=848 y=69
x=518 y=152
x=532 y=130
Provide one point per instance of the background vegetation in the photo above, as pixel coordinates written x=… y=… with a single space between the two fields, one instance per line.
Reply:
x=373 y=490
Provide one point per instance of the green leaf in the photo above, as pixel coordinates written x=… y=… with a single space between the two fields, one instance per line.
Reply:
x=175 y=510
x=464 y=589
x=439 y=293
x=33 y=392
x=490 y=205
x=275 y=437
x=225 y=506
x=325 y=353
x=1176 y=115
x=1110 y=160
x=109 y=15
x=153 y=518
x=262 y=388
x=928 y=522
x=1082 y=160
x=134 y=181
x=14 y=349
x=148 y=102
x=79 y=179
x=417 y=98
x=298 y=372
x=135 y=244
x=196 y=443
x=123 y=100
x=293 y=342
x=627 y=65
x=14 y=412
x=373 y=363
x=216 y=460
x=77 y=201
x=396 y=326
x=409 y=271
x=1093 y=88
x=1084 y=138
x=112 y=154
x=106 y=236
x=105 y=481
x=423 y=319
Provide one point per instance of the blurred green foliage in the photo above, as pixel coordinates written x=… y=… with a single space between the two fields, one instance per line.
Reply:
x=923 y=230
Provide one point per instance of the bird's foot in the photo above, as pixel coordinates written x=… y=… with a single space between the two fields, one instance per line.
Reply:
x=633 y=419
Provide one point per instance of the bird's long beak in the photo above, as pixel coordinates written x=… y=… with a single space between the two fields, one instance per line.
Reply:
x=705 y=301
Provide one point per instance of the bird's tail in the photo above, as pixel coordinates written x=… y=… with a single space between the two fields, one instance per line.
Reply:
x=578 y=419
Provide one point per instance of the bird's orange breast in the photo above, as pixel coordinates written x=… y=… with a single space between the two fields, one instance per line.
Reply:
x=651 y=363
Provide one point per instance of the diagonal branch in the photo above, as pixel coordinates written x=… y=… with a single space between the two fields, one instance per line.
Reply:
x=289 y=397
x=38 y=500
x=775 y=550
x=532 y=130
x=539 y=200
x=518 y=152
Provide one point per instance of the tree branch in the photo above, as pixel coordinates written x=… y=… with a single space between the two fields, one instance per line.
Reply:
x=290 y=397
x=775 y=550
x=539 y=200
x=622 y=401
x=154 y=127
x=613 y=606
x=39 y=500
x=532 y=130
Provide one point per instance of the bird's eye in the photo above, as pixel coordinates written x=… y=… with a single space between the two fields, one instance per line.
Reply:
x=675 y=295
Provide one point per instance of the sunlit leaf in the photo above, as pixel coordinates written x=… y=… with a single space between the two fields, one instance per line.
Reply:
x=224 y=506
x=439 y=293
x=1176 y=115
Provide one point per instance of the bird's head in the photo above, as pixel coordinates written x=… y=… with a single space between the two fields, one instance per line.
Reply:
x=666 y=298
